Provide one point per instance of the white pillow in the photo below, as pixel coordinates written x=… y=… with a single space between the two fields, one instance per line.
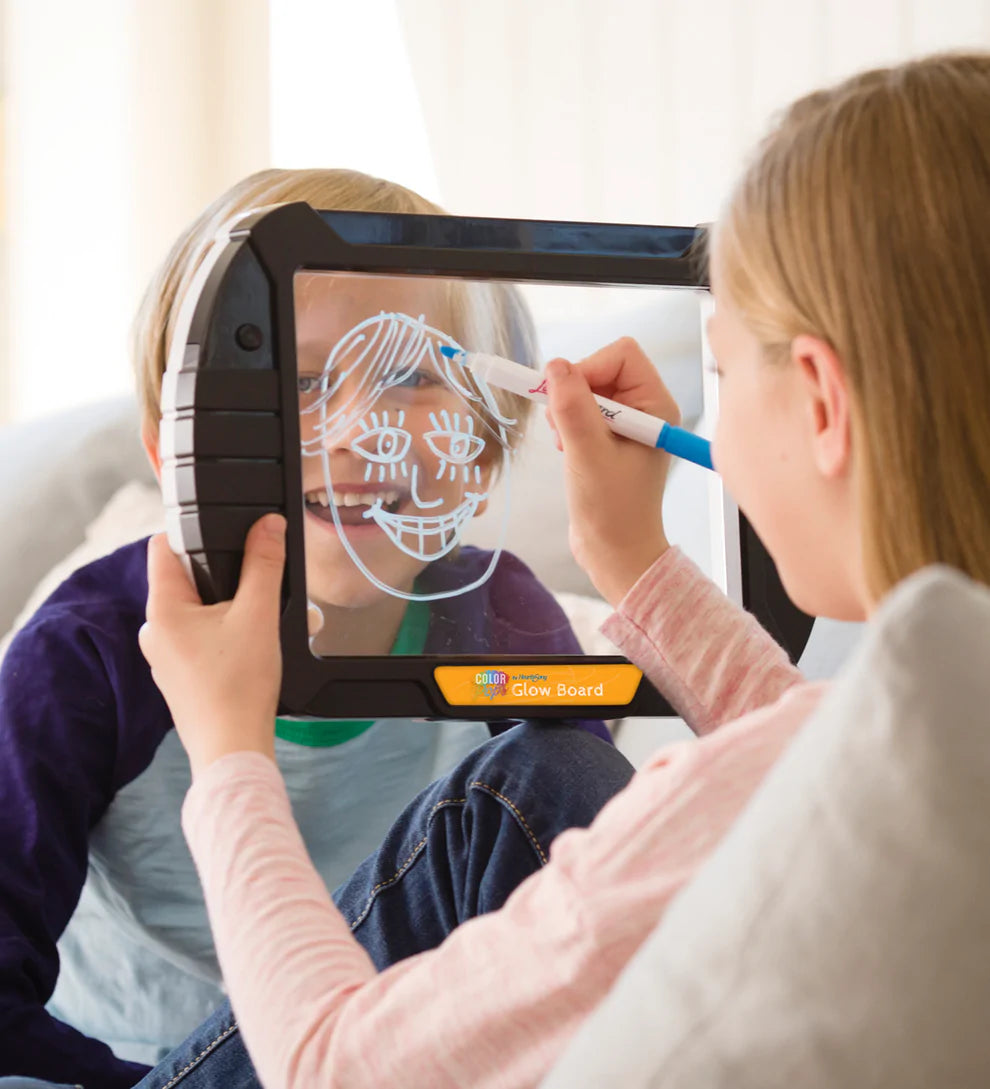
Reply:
x=58 y=472
x=840 y=934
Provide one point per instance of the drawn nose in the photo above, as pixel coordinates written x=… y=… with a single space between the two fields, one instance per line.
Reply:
x=423 y=504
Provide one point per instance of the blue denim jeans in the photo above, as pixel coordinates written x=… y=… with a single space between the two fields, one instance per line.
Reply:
x=458 y=850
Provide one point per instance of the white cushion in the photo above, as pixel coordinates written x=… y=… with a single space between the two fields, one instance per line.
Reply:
x=840 y=934
x=57 y=474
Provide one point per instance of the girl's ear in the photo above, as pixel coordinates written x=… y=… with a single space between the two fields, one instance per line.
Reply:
x=149 y=440
x=826 y=390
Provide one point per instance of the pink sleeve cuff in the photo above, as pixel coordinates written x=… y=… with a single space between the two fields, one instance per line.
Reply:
x=711 y=659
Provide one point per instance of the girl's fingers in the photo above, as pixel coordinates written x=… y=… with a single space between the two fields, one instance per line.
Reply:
x=578 y=423
x=623 y=371
x=548 y=415
x=622 y=364
x=260 y=585
x=168 y=580
x=314 y=619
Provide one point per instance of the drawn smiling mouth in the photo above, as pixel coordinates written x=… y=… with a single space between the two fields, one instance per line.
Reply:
x=421 y=536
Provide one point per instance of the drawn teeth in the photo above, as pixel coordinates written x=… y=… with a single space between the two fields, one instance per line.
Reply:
x=425 y=538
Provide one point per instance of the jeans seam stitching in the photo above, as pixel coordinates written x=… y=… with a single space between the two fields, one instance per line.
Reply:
x=515 y=809
x=202 y=1055
x=413 y=855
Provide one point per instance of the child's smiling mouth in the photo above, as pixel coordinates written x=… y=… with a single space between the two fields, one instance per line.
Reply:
x=353 y=504
x=366 y=508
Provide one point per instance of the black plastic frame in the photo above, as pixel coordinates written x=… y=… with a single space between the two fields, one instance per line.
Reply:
x=230 y=454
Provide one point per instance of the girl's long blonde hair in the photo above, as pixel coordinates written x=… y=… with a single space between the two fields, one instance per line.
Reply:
x=864 y=220
x=488 y=317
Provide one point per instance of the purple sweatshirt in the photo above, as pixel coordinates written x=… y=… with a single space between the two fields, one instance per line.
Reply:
x=81 y=718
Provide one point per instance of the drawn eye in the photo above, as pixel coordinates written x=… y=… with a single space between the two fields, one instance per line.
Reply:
x=382 y=445
x=454 y=446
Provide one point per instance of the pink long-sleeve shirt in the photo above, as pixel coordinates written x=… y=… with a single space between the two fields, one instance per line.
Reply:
x=495 y=1004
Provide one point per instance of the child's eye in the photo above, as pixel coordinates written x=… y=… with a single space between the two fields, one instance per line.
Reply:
x=308 y=384
x=416 y=379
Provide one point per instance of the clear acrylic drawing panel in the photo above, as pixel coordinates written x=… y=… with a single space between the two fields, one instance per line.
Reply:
x=434 y=505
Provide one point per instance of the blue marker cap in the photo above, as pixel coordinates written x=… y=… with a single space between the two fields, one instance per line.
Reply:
x=684 y=444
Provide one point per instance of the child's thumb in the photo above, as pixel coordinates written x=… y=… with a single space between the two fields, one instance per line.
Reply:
x=583 y=433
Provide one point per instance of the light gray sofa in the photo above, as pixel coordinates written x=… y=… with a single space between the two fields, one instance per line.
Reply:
x=56 y=475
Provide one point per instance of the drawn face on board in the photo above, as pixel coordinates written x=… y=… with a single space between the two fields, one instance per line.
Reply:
x=400 y=449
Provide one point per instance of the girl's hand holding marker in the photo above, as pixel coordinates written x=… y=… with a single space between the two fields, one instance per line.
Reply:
x=615 y=488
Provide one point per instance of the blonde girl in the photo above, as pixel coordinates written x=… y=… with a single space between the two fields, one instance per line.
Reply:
x=852 y=335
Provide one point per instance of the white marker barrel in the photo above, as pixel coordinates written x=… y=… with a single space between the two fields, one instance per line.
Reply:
x=516 y=378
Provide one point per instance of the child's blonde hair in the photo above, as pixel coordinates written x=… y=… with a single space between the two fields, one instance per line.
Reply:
x=486 y=317
x=864 y=221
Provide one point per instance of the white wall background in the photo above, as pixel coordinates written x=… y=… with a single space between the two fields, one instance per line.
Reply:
x=124 y=117
x=637 y=110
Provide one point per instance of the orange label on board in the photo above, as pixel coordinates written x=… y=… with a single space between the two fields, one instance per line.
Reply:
x=547 y=685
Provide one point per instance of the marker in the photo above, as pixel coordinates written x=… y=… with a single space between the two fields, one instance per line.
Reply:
x=623 y=420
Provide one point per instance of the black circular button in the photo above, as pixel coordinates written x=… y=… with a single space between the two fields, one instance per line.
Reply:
x=249 y=337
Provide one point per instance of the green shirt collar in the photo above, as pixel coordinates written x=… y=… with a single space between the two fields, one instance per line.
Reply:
x=324 y=732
